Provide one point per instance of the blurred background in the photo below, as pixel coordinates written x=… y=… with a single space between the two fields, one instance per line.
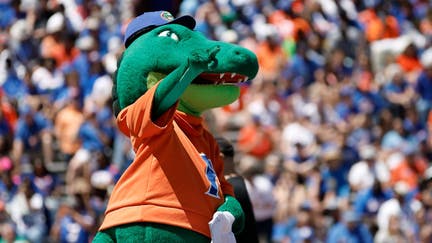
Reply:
x=333 y=136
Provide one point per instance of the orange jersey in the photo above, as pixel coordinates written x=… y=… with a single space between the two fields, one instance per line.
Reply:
x=177 y=175
x=409 y=64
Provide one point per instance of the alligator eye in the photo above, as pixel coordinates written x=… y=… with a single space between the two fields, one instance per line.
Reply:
x=170 y=34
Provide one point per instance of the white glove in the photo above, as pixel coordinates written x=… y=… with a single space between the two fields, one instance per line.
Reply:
x=220 y=227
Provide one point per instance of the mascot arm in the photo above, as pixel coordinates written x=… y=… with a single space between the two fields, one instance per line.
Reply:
x=174 y=84
x=232 y=206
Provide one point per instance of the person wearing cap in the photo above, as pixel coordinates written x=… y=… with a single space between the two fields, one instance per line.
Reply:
x=175 y=189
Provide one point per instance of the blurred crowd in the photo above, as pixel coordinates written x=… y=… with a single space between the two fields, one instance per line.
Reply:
x=333 y=136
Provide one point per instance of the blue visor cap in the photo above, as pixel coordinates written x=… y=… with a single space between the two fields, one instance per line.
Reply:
x=150 y=20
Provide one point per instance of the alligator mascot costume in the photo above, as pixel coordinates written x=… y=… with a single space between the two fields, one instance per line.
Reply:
x=174 y=190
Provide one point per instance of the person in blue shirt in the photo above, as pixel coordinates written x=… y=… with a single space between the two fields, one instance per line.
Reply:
x=8 y=188
x=396 y=136
x=368 y=101
x=96 y=71
x=100 y=32
x=14 y=87
x=398 y=93
x=9 y=14
x=297 y=229
x=350 y=230
x=334 y=174
x=301 y=68
x=27 y=210
x=423 y=89
x=301 y=163
x=345 y=108
x=104 y=119
x=32 y=135
x=74 y=223
x=82 y=65
x=367 y=202
x=350 y=154
x=91 y=134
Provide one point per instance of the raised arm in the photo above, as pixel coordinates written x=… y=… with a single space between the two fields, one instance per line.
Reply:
x=175 y=83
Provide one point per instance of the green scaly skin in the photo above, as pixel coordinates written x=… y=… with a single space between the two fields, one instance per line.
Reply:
x=178 y=57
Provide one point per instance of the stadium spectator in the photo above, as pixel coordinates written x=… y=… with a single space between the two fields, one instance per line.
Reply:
x=249 y=233
x=33 y=138
x=350 y=228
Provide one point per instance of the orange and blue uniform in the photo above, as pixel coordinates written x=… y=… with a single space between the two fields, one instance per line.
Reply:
x=175 y=154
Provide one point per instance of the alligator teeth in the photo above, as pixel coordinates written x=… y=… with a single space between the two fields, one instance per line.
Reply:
x=221 y=75
x=245 y=79
x=233 y=74
x=240 y=80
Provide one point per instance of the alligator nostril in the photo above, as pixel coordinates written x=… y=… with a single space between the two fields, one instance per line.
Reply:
x=239 y=55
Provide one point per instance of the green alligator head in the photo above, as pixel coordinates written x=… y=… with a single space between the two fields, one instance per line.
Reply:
x=211 y=70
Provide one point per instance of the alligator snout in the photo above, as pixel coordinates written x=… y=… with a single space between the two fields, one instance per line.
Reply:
x=236 y=59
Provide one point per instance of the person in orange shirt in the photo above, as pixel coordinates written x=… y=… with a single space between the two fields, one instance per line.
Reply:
x=408 y=59
x=254 y=140
x=55 y=44
x=289 y=24
x=66 y=125
x=271 y=57
x=379 y=27
x=8 y=112
x=409 y=170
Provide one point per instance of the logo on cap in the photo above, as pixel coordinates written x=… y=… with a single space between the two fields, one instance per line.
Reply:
x=166 y=15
